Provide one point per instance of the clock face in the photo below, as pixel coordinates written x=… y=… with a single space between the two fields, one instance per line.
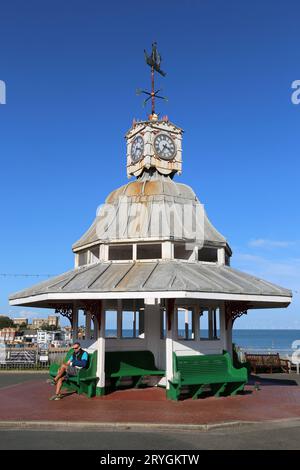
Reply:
x=164 y=146
x=137 y=149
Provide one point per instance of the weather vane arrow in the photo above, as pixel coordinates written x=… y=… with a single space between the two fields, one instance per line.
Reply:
x=154 y=61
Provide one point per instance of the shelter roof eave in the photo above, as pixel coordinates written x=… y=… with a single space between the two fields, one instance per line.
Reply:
x=154 y=279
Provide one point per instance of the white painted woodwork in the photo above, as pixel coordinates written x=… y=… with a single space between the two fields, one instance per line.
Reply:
x=261 y=300
x=88 y=325
x=167 y=249
x=75 y=323
x=101 y=351
x=221 y=256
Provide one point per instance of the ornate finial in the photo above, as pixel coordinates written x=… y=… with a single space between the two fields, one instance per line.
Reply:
x=154 y=61
x=153 y=117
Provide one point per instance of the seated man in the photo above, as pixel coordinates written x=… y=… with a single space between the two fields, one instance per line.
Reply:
x=77 y=361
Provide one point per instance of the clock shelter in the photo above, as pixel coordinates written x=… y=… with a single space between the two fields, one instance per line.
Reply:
x=152 y=273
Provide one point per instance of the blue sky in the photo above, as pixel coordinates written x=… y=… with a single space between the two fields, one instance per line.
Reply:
x=71 y=69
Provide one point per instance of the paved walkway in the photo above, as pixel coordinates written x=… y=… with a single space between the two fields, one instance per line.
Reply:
x=278 y=398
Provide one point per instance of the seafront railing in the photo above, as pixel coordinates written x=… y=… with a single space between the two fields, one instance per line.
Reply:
x=29 y=358
x=283 y=353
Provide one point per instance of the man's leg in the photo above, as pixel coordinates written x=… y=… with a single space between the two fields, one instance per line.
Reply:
x=59 y=385
x=61 y=372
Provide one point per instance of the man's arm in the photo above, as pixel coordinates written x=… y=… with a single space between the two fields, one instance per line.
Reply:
x=82 y=362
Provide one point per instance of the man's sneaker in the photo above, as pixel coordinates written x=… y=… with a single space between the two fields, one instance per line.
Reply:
x=56 y=397
x=51 y=381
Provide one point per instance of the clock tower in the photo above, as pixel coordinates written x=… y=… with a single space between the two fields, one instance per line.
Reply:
x=154 y=144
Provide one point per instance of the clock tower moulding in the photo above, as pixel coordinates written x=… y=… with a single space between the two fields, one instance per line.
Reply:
x=154 y=144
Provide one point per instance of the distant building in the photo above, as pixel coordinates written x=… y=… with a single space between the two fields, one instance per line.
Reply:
x=38 y=323
x=57 y=343
x=20 y=321
x=53 y=320
x=7 y=335
x=47 y=337
x=30 y=336
x=67 y=330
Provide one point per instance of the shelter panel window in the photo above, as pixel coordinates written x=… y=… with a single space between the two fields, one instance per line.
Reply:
x=95 y=254
x=181 y=251
x=82 y=258
x=185 y=324
x=149 y=251
x=209 y=324
x=204 y=325
x=208 y=254
x=132 y=324
x=111 y=324
x=120 y=252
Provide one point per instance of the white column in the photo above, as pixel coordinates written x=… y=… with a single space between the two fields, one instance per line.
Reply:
x=167 y=250
x=210 y=323
x=101 y=352
x=226 y=333
x=75 y=323
x=196 y=313
x=221 y=256
x=152 y=333
x=170 y=336
x=87 y=325
x=134 y=251
x=229 y=337
x=103 y=252
x=96 y=329
x=223 y=336
x=119 y=319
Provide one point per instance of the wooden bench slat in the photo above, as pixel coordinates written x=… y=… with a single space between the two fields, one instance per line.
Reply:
x=267 y=362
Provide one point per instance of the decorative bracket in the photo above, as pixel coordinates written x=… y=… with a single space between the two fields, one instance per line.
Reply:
x=234 y=310
x=65 y=310
x=94 y=307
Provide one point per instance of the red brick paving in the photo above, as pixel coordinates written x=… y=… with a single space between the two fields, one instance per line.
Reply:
x=29 y=402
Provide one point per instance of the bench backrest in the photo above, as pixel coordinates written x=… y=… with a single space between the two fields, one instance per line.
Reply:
x=91 y=369
x=116 y=361
x=207 y=364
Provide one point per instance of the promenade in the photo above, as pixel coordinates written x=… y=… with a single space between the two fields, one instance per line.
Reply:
x=24 y=403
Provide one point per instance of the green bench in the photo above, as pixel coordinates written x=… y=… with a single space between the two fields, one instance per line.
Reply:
x=86 y=379
x=135 y=364
x=199 y=371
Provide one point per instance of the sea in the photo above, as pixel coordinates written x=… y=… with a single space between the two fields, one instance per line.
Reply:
x=255 y=341
x=263 y=341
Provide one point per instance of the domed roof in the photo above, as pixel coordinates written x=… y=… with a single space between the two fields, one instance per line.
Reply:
x=150 y=185
x=151 y=208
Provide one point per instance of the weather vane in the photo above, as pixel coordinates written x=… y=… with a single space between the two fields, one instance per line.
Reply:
x=154 y=61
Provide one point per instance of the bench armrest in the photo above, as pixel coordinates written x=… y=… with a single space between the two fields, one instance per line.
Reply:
x=176 y=378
